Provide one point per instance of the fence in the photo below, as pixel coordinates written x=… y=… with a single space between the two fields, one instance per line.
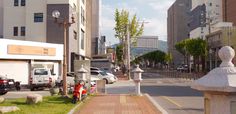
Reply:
x=175 y=74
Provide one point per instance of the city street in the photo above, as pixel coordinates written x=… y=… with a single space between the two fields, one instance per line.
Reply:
x=174 y=95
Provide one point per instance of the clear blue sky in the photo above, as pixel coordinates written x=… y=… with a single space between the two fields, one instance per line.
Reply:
x=153 y=11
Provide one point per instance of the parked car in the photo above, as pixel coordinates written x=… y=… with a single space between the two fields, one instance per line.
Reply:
x=3 y=85
x=103 y=76
x=41 y=78
x=104 y=71
x=182 y=68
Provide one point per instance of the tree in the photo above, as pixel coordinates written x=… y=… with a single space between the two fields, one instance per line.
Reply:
x=123 y=25
x=153 y=58
x=181 y=48
x=197 y=48
x=119 y=53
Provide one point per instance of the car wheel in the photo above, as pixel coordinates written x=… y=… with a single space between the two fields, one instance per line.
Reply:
x=106 y=80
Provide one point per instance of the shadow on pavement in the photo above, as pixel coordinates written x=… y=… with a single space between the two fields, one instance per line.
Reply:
x=170 y=91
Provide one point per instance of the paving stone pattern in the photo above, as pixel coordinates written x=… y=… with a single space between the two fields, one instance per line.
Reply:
x=118 y=104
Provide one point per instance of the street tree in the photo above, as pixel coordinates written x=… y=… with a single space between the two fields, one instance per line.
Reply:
x=197 y=48
x=124 y=24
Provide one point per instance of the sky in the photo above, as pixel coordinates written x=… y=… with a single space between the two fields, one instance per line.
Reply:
x=152 y=11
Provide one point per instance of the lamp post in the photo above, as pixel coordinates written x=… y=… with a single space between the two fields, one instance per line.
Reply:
x=65 y=24
x=210 y=58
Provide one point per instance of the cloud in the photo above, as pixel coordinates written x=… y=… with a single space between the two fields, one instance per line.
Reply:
x=161 y=5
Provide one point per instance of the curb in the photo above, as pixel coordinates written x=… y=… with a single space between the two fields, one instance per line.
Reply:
x=73 y=109
x=158 y=106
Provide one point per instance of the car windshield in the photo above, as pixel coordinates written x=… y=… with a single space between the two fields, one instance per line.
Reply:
x=103 y=73
x=40 y=72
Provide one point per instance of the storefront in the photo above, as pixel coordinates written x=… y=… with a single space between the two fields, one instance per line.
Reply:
x=19 y=58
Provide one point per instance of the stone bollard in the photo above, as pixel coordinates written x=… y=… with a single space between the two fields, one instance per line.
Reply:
x=137 y=79
x=219 y=85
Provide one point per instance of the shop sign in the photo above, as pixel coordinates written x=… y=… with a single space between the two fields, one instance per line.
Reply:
x=30 y=50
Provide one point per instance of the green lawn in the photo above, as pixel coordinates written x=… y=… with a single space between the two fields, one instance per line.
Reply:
x=50 y=105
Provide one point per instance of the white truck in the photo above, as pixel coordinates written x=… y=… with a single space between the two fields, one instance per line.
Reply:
x=41 y=78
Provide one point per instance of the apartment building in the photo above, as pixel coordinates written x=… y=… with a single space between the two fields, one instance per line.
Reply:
x=177 y=27
x=206 y=16
x=32 y=20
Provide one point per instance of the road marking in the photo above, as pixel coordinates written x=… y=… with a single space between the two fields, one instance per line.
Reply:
x=172 y=101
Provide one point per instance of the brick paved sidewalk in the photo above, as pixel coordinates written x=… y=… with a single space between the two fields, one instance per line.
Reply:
x=118 y=104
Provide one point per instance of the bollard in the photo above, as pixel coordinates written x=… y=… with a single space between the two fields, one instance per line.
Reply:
x=219 y=85
x=137 y=79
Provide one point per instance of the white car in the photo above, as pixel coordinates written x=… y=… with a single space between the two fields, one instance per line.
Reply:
x=109 y=78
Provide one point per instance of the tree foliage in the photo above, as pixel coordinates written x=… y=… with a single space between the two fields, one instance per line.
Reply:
x=122 y=20
x=119 y=53
x=154 y=57
x=194 y=47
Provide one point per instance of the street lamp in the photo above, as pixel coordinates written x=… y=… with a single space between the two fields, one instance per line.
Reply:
x=210 y=58
x=65 y=24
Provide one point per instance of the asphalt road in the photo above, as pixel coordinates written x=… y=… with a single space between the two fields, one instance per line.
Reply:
x=174 y=95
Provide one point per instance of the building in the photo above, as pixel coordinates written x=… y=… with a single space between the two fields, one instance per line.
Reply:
x=229 y=10
x=18 y=58
x=177 y=27
x=32 y=20
x=218 y=39
x=1 y=18
x=147 y=44
x=205 y=16
x=197 y=22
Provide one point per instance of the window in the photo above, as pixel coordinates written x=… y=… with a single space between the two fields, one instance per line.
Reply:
x=22 y=31
x=75 y=35
x=16 y=2
x=38 y=17
x=82 y=16
x=22 y=3
x=82 y=39
x=15 y=31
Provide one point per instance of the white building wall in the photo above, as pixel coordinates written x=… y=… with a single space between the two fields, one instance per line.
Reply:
x=1 y=18
x=13 y=16
x=35 y=31
x=147 y=41
x=82 y=27
x=195 y=3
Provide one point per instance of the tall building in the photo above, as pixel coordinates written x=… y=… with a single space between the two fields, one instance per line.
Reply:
x=177 y=27
x=32 y=20
x=229 y=10
x=206 y=16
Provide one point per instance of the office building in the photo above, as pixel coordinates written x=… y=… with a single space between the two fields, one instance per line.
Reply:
x=32 y=20
x=177 y=27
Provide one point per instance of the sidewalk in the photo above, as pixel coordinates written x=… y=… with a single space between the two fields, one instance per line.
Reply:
x=120 y=99
x=118 y=104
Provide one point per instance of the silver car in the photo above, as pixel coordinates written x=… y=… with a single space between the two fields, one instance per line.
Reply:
x=103 y=76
